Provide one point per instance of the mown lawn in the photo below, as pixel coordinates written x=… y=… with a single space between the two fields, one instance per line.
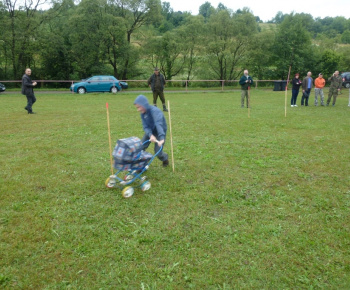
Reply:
x=259 y=202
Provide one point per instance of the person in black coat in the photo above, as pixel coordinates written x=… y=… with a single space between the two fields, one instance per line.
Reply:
x=246 y=82
x=27 y=90
x=295 y=90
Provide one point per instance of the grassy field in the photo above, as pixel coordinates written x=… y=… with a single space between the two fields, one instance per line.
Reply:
x=260 y=202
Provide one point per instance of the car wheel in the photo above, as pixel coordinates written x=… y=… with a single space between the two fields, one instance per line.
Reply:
x=81 y=90
x=114 y=90
x=347 y=85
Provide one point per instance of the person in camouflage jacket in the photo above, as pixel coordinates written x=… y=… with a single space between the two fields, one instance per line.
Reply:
x=334 y=89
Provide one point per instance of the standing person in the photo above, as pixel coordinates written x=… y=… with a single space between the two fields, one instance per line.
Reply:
x=296 y=82
x=307 y=86
x=334 y=89
x=246 y=81
x=154 y=125
x=27 y=90
x=157 y=82
x=320 y=82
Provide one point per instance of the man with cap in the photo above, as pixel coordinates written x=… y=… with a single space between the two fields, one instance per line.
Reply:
x=320 y=82
x=157 y=82
x=334 y=89
x=154 y=125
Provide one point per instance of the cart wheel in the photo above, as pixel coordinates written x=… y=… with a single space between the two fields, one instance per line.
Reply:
x=128 y=177
x=145 y=186
x=127 y=192
x=110 y=182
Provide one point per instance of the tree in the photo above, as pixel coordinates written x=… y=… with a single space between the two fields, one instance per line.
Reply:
x=192 y=37
x=344 y=62
x=166 y=52
x=258 y=59
x=228 y=39
x=206 y=10
x=278 y=19
x=55 y=47
x=21 y=25
x=290 y=46
x=339 y=24
x=86 y=37
x=115 y=48
x=345 y=38
x=330 y=61
x=136 y=13
x=167 y=11
x=221 y=7
x=4 y=53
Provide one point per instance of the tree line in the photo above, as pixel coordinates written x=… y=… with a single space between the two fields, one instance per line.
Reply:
x=127 y=38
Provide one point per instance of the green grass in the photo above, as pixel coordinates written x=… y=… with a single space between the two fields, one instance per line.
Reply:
x=259 y=202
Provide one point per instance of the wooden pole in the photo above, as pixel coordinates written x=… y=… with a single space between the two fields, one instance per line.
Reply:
x=109 y=139
x=171 y=139
x=285 y=95
x=248 y=102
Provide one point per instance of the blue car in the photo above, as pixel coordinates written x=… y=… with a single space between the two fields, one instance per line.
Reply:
x=346 y=79
x=2 y=88
x=124 y=85
x=97 y=84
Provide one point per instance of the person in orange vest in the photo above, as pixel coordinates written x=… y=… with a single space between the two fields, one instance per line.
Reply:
x=320 y=82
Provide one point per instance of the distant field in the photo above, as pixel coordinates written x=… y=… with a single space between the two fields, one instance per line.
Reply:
x=256 y=203
x=267 y=26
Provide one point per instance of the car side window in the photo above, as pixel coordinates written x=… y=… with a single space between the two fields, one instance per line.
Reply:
x=95 y=79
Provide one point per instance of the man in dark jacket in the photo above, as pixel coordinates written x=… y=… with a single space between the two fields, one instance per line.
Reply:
x=306 y=86
x=246 y=82
x=27 y=90
x=157 y=82
x=154 y=125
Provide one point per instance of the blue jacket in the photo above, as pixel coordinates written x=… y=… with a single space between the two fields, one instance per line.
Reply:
x=153 y=120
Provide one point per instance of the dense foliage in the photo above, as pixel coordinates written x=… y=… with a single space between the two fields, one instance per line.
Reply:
x=126 y=38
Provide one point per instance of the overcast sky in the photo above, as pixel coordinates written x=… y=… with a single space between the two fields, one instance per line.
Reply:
x=267 y=9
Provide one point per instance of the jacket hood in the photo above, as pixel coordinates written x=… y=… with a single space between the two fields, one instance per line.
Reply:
x=142 y=101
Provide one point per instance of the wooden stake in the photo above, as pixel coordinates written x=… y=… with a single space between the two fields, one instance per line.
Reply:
x=248 y=102
x=171 y=139
x=285 y=95
x=109 y=139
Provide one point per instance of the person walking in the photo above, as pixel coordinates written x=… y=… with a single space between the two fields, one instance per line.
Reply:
x=154 y=126
x=246 y=82
x=27 y=90
x=306 y=86
x=320 y=82
x=296 y=83
x=334 y=89
x=157 y=82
